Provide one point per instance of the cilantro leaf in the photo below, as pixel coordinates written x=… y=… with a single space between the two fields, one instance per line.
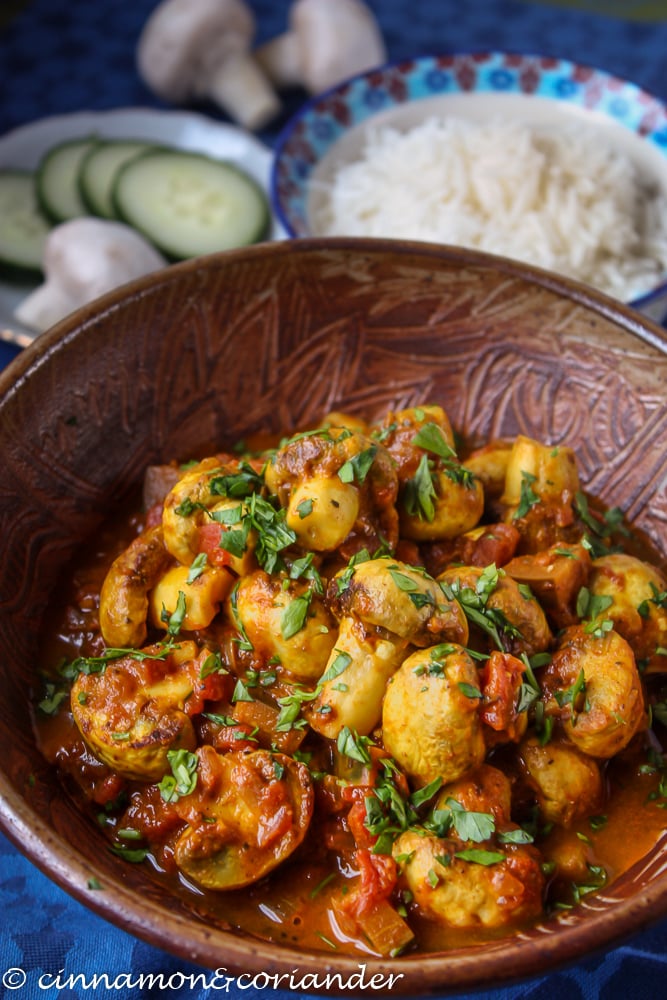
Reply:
x=174 y=620
x=97 y=664
x=480 y=857
x=183 y=777
x=470 y=825
x=197 y=567
x=354 y=746
x=430 y=437
x=419 y=492
x=295 y=614
x=528 y=498
x=358 y=467
x=338 y=665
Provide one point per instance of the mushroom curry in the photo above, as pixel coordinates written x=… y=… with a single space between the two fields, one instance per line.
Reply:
x=362 y=690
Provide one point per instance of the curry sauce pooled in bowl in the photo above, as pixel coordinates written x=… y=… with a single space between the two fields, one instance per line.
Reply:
x=353 y=690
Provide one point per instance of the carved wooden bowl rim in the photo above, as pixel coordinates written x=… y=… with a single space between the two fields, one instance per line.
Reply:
x=31 y=812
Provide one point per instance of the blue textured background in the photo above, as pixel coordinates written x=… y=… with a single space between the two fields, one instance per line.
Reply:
x=71 y=55
x=59 y=57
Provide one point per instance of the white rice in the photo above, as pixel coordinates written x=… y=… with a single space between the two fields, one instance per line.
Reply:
x=562 y=199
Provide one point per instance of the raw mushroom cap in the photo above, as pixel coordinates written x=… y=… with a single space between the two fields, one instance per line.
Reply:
x=83 y=259
x=337 y=40
x=184 y=41
x=91 y=256
x=201 y=48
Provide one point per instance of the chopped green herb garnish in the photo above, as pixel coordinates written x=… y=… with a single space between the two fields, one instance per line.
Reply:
x=295 y=614
x=212 y=665
x=53 y=696
x=575 y=696
x=97 y=664
x=241 y=693
x=290 y=709
x=515 y=837
x=183 y=777
x=598 y=822
x=197 y=567
x=244 y=642
x=469 y=690
x=305 y=508
x=358 y=467
x=480 y=857
x=321 y=885
x=419 y=492
x=304 y=568
x=351 y=745
x=134 y=854
x=600 y=527
x=528 y=498
x=338 y=665
x=425 y=794
x=174 y=620
x=471 y=825
x=431 y=438
x=237 y=485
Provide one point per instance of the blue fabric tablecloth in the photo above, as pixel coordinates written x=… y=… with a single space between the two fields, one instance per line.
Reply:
x=79 y=54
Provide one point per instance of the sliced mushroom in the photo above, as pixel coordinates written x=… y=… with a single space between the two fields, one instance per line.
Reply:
x=246 y=815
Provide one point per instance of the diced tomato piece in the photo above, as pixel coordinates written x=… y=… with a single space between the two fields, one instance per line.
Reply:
x=495 y=545
x=210 y=534
x=277 y=816
x=108 y=789
x=234 y=738
x=378 y=876
x=150 y=814
x=500 y=683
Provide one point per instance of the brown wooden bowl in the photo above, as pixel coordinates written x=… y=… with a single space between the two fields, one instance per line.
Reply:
x=270 y=338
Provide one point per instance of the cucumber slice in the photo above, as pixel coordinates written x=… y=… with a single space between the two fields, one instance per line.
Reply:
x=98 y=171
x=23 y=227
x=188 y=204
x=58 y=179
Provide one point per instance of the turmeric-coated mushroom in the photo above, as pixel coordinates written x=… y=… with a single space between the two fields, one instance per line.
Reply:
x=593 y=686
x=637 y=593
x=124 y=598
x=403 y=600
x=430 y=716
x=285 y=621
x=567 y=784
x=455 y=892
x=133 y=712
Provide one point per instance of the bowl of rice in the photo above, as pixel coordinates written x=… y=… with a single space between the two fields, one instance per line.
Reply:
x=533 y=158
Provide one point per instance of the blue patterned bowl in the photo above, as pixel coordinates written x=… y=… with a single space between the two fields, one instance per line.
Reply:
x=328 y=131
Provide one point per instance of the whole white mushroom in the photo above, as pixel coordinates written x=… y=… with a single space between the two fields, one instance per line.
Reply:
x=327 y=41
x=202 y=48
x=82 y=259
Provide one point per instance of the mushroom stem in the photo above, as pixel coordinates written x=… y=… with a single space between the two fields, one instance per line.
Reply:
x=201 y=48
x=241 y=89
x=280 y=60
x=45 y=306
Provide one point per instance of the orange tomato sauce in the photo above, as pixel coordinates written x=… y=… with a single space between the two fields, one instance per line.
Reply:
x=299 y=903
